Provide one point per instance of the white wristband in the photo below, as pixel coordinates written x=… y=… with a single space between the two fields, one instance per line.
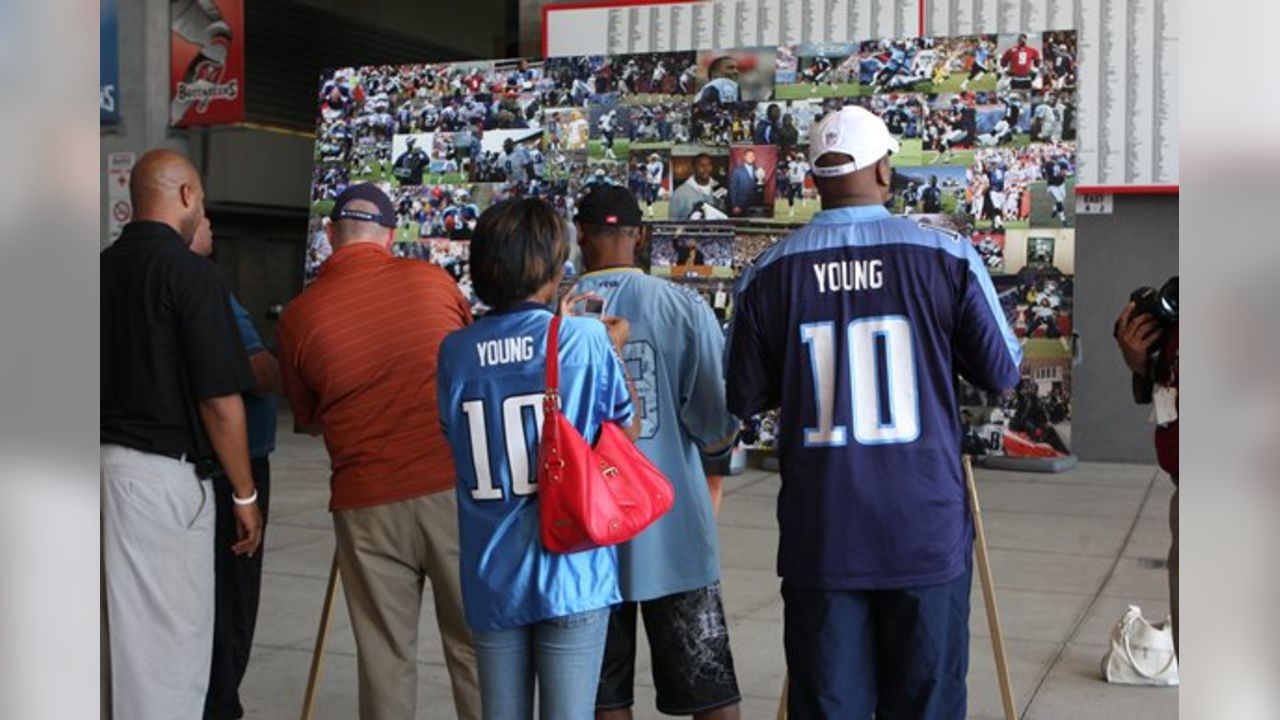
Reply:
x=251 y=500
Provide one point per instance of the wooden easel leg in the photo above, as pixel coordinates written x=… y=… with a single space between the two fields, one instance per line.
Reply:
x=989 y=596
x=322 y=637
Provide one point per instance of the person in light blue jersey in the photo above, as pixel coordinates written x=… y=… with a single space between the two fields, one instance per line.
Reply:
x=855 y=327
x=535 y=615
x=671 y=572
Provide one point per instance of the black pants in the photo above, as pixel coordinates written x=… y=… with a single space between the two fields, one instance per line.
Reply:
x=899 y=654
x=238 y=584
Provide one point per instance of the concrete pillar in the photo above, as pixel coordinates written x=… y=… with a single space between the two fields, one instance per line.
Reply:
x=143 y=99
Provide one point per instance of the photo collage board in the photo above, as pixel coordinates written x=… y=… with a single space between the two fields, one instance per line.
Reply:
x=714 y=145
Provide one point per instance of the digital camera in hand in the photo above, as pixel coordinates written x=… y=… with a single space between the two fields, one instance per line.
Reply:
x=1162 y=303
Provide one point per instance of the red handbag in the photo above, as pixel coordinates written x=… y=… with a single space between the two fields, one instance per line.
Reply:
x=590 y=497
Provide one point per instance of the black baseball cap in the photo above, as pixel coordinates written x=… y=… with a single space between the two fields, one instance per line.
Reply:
x=609 y=205
x=386 y=215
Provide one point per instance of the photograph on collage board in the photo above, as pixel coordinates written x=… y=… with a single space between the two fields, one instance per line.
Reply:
x=722 y=124
x=432 y=158
x=660 y=126
x=565 y=129
x=650 y=78
x=796 y=197
x=714 y=146
x=816 y=70
x=570 y=81
x=575 y=173
x=649 y=179
x=786 y=122
x=691 y=250
x=609 y=129
x=700 y=182
x=753 y=180
x=734 y=76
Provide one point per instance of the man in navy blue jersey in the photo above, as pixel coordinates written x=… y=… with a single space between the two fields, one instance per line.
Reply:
x=854 y=327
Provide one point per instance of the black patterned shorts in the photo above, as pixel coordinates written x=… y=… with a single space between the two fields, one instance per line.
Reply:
x=689 y=644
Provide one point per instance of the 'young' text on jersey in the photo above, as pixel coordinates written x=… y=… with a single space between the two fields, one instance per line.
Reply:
x=855 y=326
x=491 y=382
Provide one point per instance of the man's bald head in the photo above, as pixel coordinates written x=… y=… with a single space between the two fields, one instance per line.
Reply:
x=165 y=187
x=346 y=231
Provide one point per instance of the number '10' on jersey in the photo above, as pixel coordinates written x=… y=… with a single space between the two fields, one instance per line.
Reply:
x=855 y=327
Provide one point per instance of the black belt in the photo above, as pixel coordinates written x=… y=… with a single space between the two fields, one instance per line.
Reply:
x=179 y=456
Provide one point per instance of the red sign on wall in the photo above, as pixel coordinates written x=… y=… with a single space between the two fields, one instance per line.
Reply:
x=206 y=57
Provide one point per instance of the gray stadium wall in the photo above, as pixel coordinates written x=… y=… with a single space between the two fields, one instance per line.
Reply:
x=1136 y=245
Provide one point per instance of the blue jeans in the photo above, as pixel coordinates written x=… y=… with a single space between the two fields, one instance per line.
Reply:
x=564 y=653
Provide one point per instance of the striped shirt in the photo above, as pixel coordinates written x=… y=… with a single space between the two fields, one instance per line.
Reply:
x=358 y=353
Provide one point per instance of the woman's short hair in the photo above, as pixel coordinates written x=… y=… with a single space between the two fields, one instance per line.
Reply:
x=517 y=247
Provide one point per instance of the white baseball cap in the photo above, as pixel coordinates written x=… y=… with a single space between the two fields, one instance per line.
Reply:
x=853 y=131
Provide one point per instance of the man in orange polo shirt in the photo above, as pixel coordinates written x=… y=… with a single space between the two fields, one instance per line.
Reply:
x=358 y=359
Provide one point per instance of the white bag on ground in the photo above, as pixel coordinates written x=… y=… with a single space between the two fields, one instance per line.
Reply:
x=1141 y=653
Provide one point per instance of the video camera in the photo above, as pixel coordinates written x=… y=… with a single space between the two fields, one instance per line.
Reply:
x=1162 y=303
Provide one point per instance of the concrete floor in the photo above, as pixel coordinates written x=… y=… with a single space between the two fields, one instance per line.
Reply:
x=1069 y=552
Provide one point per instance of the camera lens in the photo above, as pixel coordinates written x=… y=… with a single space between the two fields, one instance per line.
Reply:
x=1169 y=299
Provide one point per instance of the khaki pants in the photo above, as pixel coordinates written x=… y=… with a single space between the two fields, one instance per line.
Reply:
x=384 y=553
x=157 y=555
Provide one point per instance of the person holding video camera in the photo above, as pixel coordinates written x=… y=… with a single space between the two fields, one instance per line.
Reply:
x=1147 y=332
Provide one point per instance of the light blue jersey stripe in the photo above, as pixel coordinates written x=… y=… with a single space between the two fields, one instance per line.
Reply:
x=873 y=226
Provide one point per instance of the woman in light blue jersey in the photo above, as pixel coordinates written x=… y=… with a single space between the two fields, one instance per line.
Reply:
x=535 y=615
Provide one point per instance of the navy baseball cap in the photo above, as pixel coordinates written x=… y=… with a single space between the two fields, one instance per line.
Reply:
x=386 y=215
x=609 y=205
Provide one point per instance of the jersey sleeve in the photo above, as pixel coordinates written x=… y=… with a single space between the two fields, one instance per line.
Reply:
x=444 y=378
x=752 y=383
x=252 y=341
x=704 y=414
x=987 y=352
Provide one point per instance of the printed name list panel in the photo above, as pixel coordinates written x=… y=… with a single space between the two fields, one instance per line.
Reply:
x=1128 y=69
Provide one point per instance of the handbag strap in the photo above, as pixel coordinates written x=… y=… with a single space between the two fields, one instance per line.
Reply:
x=551 y=401
x=1133 y=663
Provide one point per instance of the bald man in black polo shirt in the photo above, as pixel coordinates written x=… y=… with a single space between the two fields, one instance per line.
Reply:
x=171 y=423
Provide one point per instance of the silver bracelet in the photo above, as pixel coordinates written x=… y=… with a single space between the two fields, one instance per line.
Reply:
x=243 y=502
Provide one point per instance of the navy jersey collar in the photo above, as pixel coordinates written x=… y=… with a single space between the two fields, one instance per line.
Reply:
x=853 y=213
